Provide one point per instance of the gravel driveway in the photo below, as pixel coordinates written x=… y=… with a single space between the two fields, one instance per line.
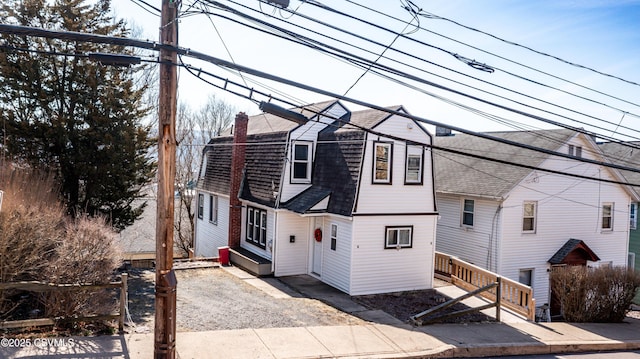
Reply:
x=213 y=299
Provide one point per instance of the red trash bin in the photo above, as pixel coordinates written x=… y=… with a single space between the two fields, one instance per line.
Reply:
x=223 y=255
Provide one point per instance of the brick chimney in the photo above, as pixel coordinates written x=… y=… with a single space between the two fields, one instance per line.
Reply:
x=237 y=168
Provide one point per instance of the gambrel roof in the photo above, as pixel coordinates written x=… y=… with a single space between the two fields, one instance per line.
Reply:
x=478 y=177
x=336 y=168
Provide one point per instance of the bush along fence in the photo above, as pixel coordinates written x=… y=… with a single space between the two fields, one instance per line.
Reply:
x=513 y=295
x=34 y=286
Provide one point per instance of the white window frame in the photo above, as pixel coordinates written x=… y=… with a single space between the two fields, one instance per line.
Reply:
x=389 y=244
x=389 y=161
x=414 y=152
x=256 y=227
x=465 y=211
x=213 y=209
x=604 y=216
x=633 y=215
x=200 y=205
x=334 y=236
x=533 y=216
x=306 y=162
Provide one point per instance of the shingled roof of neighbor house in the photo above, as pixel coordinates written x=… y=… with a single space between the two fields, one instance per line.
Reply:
x=472 y=176
x=623 y=155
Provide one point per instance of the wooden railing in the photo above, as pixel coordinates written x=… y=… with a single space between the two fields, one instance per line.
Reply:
x=34 y=286
x=515 y=296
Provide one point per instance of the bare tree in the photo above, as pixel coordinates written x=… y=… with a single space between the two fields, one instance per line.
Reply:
x=193 y=130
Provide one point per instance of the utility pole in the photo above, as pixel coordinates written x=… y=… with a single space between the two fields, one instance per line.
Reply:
x=166 y=283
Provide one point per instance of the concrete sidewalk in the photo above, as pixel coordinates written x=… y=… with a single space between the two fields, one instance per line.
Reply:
x=358 y=341
x=382 y=337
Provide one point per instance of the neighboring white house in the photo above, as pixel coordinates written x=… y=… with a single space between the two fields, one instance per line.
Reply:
x=345 y=201
x=520 y=222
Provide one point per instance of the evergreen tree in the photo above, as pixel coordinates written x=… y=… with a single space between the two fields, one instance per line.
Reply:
x=74 y=116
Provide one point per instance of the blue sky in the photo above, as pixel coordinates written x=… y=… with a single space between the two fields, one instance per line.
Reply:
x=604 y=35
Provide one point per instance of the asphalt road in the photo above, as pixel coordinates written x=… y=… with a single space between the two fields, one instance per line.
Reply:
x=601 y=355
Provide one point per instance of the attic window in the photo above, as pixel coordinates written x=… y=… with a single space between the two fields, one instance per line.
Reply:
x=301 y=164
x=575 y=151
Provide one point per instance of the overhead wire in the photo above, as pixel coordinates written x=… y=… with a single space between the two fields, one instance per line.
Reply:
x=325 y=7
x=351 y=57
x=499 y=56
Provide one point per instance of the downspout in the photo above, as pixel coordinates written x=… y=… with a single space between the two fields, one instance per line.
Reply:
x=492 y=238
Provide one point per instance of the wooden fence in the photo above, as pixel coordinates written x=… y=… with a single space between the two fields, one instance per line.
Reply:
x=34 y=286
x=515 y=296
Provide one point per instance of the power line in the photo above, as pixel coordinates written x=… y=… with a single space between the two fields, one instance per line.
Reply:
x=327 y=8
x=227 y=64
x=364 y=62
x=498 y=56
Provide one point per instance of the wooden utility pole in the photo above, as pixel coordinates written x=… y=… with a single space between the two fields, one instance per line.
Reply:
x=166 y=283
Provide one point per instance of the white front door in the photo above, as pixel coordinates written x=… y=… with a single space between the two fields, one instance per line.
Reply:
x=316 y=266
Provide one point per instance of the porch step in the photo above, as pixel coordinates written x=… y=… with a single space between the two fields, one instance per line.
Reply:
x=250 y=262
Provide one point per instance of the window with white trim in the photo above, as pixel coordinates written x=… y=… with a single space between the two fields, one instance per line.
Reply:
x=633 y=214
x=301 y=164
x=382 y=162
x=256 y=227
x=413 y=165
x=607 y=216
x=575 y=151
x=213 y=209
x=398 y=237
x=525 y=277
x=468 y=208
x=334 y=236
x=200 y=205
x=529 y=209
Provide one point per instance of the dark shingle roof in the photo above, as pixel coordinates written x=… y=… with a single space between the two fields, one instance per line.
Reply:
x=264 y=159
x=625 y=156
x=336 y=172
x=471 y=176
x=570 y=246
x=265 y=156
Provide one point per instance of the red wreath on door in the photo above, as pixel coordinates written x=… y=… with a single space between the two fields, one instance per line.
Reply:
x=317 y=234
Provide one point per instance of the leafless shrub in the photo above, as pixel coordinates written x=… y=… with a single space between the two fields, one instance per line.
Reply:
x=601 y=294
x=39 y=242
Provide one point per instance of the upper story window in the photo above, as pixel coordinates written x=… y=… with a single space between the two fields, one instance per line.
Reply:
x=200 y=206
x=468 y=209
x=413 y=166
x=301 y=164
x=399 y=237
x=529 y=216
x=607 y=216
x=382 y=152
x=575 y=151
x=633 y=210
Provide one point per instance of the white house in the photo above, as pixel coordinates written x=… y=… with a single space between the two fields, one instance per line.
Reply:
x=521 y=222
x=346 y=197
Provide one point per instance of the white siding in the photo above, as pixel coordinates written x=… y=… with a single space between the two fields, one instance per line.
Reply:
x=396 y=197
x=567 y=208
x=336 y=264
x=378 y=270
x=477 y=244
x=210 y=236
x=291 y=258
